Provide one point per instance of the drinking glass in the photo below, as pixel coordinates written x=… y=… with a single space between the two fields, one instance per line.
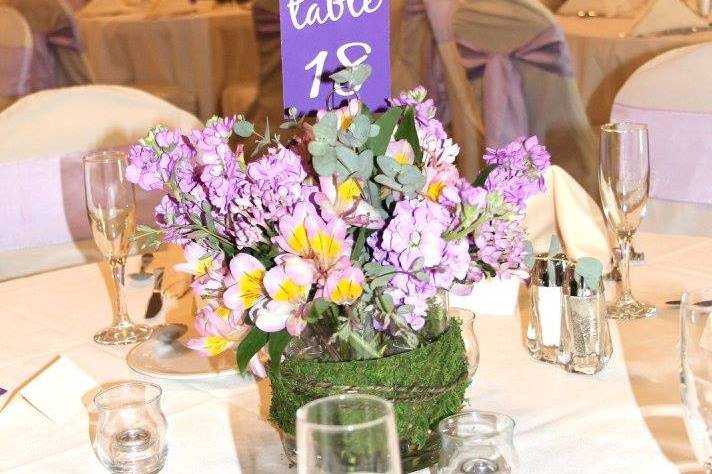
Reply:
x=477 y=442
x=131 y=429
x=112 y=216
x=624 y=181
x=696 y=371
x=347 y=434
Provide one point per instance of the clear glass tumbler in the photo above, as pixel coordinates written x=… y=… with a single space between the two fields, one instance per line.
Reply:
x=347 y=434
x=131 y=430
x=477 y=442
x=696 y=371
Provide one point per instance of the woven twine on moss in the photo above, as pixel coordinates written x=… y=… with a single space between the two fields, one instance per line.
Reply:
x=425 y=385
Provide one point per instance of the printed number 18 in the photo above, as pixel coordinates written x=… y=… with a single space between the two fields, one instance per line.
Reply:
x=319 y=62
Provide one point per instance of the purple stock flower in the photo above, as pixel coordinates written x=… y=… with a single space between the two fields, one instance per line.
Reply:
x=143 y=168
x=500 y=245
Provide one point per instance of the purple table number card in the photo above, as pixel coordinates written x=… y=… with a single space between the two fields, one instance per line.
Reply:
x=320 y=37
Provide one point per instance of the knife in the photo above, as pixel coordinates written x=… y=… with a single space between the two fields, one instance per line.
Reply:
x=703 y=303
x=155 y=303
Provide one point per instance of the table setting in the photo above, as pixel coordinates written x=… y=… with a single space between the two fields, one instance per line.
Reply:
x=331 y=295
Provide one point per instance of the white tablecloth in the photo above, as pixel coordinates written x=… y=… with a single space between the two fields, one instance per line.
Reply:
x=626 y=419
x=604 y=56
x=201 y=53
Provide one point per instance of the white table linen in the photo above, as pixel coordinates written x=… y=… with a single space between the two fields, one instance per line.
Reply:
x=566 y=423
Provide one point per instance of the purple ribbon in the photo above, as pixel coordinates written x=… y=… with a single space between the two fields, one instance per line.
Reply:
x=504 y=110
x=14 y=70
x=2 y=391
x=266 y=23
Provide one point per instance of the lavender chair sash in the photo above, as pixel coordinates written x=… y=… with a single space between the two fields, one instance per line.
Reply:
x=266 y=23
x=504 y=108
x=680 y=151
x=14 y=70
x=43 y=202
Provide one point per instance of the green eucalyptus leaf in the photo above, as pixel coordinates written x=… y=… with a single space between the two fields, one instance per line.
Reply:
x=365 y=164
x=405 y=309
x=342 y=76
x=380 y=281
x=407 y=131
x=360 y=73
x=360 y=128
x=348 y=139
x=412 y=177
x=388 y=165
x=386 y=123
x=529 y=254
x=388 y=182
x=348 y=159
x=375 y=269
x=326 y=128
x=318 y=148
x=249 y=346
x=325 y=165
x=277 y=343
x=554 y=246
x=243 y=128
x=590 y=269
x=374 y=130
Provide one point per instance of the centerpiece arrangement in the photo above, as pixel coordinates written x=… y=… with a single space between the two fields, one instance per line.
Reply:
x=331 y=255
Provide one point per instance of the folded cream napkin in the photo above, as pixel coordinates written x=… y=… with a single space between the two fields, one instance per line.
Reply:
x=608 y=8
x=55 y=393
x=106 y=8
x=663 y=15
x=164 y=8
x=566 y=210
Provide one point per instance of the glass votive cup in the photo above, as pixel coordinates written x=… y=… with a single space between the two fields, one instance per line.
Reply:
x=131 y=428
x=477 y=442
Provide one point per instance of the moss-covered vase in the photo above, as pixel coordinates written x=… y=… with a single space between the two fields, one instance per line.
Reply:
x=425 y=385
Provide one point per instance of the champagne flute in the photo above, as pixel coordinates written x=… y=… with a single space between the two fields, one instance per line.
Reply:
x=112 y=216
x=347 y=433
x=624 y=182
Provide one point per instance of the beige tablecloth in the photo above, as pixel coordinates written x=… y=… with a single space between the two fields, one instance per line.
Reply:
x=201 y=53
x=604 y=57
x=626 y=419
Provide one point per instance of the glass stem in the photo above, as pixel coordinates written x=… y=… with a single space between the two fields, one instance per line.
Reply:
x=121 y=315
x=625 y=245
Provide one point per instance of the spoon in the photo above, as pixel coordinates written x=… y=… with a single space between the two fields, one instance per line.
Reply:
x=169 y=333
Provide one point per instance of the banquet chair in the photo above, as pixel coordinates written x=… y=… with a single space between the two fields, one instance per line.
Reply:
x=519 y=69
x=46 y=134
x=15 y=55
x=672 y=94
x=57 y=59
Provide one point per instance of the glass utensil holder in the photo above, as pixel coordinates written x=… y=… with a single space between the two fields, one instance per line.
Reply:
x=546 y=322
x=586 y=339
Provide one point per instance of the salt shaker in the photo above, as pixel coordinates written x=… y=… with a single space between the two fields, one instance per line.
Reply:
x=586 y=339
x=547 y=307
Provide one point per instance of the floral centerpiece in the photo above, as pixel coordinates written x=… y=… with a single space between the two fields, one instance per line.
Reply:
x=339 y=246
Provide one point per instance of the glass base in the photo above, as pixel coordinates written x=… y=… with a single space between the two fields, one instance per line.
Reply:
x=626 y=307
x=123 y=333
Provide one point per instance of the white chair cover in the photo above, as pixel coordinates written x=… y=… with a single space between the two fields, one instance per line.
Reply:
x=672 y=94
x=41 y=174
x=15 y=53
x=509 y=35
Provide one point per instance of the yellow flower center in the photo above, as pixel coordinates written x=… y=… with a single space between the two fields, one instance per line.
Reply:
x=299 y=241
x=325 y=247
x=251 y=287
x=223 y=312
x=348 y=190
x=290 y=292
x=215 y=345
x=203 y=265
x=346 y=291
x=402 y=157
x=434 y=190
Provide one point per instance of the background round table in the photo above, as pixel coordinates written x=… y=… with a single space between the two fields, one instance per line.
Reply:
x=603 y=57
x=202 y=53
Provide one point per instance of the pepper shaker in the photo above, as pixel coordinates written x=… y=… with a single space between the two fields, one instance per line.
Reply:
x=586 y=339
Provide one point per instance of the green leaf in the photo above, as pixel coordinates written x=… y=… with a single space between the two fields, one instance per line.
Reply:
x=590 y=269
x=349 y=161
x=342 y=76
x=359 y=244
x=326 y=128
x=360 y=73
x=529 y=255
x=243 y=128
x=360 y=128
x=374 y=197
x=365 y=159
x=386 y=123
x=408 y=131
x=277 y=343
x=388 y=165
x=387 y=302
x=250 y=345
x=375 y=268
x=482 y=177
x=411 y=177
x=317 y=148
x=363 y=348
x=317 y=309
x=325 y=165
x=382 y=280
x=388 y=181
x=374 y=131
x=405 y=309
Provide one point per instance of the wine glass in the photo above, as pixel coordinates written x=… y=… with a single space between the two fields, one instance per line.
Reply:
x=347 y=433
x=477 y=442
x=696 y=371
x=112 y=216
x=624 y=182
x=131 y=428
